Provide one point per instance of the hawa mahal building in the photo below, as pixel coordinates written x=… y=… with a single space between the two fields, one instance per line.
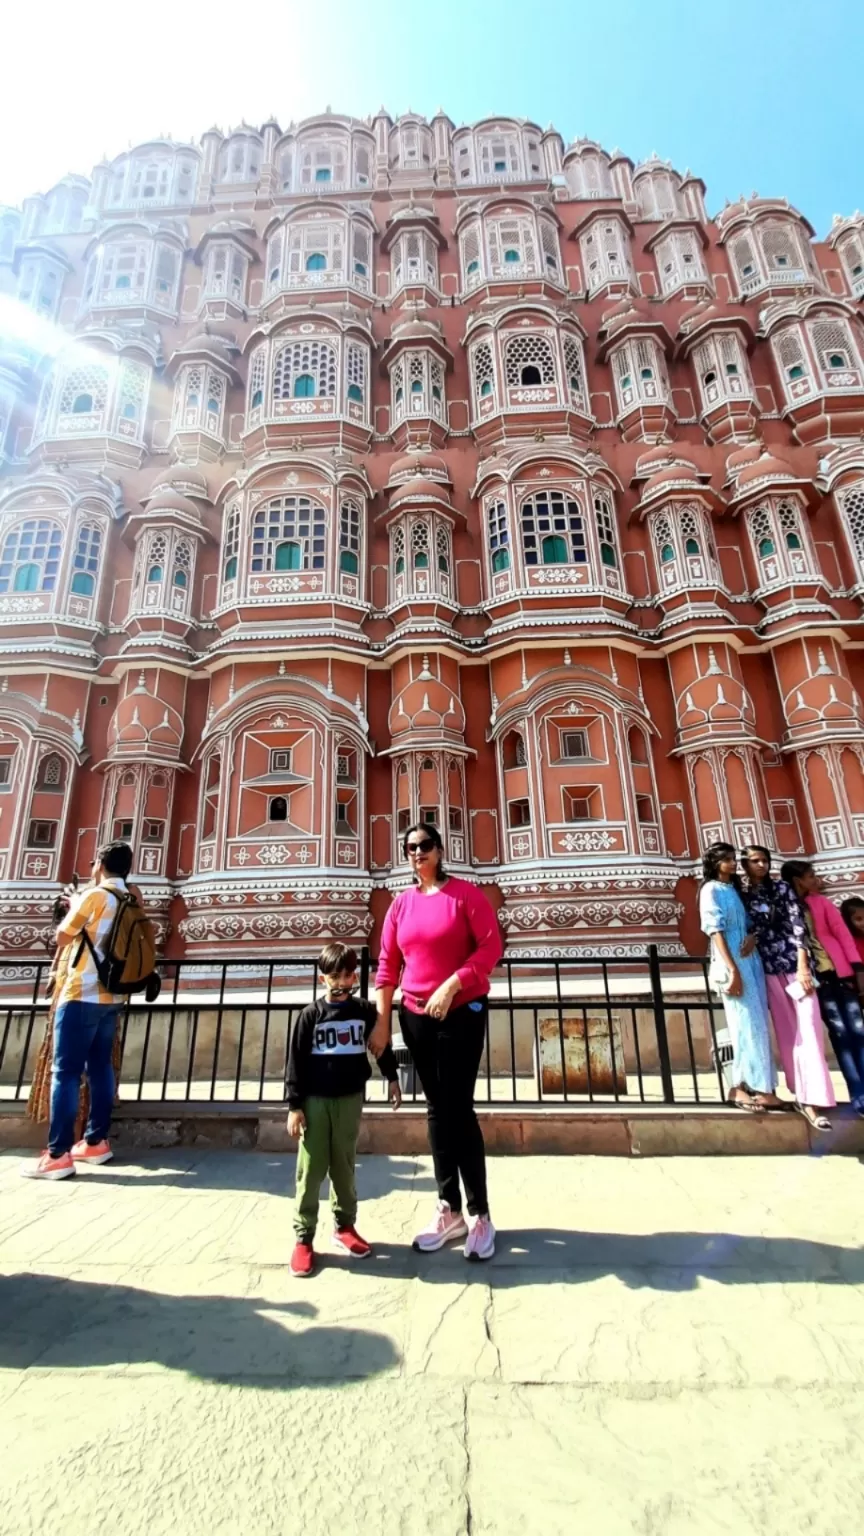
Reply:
x=363 y=473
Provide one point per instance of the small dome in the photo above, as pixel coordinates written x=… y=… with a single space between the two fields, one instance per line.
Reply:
x=768 y=467
x=180 y=478
x=625 y=312
x=420 y=489
x=223 y=349
x=144 y=725
x=739 y=458
x=167 y=500
x=655 y=459
x=665 y=479
x=420 y=462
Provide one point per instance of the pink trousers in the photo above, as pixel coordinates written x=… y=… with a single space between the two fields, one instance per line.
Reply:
x=800 y=1041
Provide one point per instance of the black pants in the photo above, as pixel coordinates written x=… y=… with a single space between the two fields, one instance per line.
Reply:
x=841 y=1010
x=446 y=1053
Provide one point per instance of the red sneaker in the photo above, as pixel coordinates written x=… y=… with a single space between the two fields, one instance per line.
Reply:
x=350 y=1242
x=99 y=1152
x=49 y=1167
x=302 y=1260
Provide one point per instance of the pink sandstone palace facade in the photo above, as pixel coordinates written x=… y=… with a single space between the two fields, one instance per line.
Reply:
x=371 y=471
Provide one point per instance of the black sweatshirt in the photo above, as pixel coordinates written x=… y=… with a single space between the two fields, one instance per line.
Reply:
x=327 y=1056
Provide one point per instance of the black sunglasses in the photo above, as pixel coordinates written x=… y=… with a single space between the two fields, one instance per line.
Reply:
x=425 y=845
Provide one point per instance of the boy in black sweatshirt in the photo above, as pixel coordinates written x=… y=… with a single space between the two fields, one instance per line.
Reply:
x=328 y=1067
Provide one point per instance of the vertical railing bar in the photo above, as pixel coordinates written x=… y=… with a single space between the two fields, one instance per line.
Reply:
x=686 y=1011
x=31 y=1025
x=512 y=1027
x=634 y=1015
x=608 y=998
x=265 y=1039
x=169 y=1038
x=240 y=1040
x=193 y=1041
x=660 y=1024
x=538 y=1064
x=218 y=1040
x=144 y=1050
x=560 y=1007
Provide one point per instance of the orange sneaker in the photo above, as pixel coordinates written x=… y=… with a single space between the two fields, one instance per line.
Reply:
x=99 y=1152
x=49 y=1167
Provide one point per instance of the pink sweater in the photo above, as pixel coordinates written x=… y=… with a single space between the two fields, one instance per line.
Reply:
x=428 y=938
x=833 y=935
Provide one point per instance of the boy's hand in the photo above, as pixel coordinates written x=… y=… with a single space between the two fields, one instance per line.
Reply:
x=394 y=1094
x=380 y=1036
x=296 y=1123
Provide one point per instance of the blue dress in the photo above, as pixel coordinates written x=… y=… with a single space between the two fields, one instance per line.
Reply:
x=721 y=910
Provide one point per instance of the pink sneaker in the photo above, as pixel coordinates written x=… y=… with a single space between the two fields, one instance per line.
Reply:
x=99 y=1152
x=49 y=1167
x=481 y=1239
x=445 y=1227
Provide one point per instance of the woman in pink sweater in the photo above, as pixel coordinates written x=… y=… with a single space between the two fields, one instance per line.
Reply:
x=838 y=970
x=440 y=942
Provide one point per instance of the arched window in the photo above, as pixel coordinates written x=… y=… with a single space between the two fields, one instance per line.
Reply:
x=483 y=370
x=84 y=392
x=529 y=360
x=549 y=516
x=30 y=558
x=349 y=538
x=85 y=561
x=316 y=261
x=232 y=544
x=278 y=809
x=51 y=773
x=554 y=550
x=155 y=573
x=499 y=536
x=287 y=557
x=312 y=362
x=605 y=525
x=356 y=393
x=288 y=523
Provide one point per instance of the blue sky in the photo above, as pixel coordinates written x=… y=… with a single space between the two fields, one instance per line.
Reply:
x=751 y=96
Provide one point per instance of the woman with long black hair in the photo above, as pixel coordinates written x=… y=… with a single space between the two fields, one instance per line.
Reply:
x=440 y=942
x=776 y=918
x=737 y=973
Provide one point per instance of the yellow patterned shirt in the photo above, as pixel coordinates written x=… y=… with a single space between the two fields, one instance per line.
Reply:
x=95 y=912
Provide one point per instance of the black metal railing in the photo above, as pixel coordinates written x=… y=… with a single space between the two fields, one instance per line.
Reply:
x=576 y=1031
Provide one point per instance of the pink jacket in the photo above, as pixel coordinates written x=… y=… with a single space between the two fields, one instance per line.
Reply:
x=833 y=935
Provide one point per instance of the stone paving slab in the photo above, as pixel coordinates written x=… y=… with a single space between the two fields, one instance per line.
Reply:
x=659 y=1347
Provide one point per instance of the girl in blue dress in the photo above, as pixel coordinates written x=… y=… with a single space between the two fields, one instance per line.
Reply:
x=745 y=1002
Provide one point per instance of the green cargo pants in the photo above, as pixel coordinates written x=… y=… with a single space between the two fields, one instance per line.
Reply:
x=328 y=1146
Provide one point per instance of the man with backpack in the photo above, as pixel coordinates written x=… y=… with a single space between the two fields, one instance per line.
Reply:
x=113 y=956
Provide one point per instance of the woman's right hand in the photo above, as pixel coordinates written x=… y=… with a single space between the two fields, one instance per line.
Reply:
x=736 y=985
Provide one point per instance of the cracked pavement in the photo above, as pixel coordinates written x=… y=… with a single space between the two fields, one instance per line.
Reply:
x=660 y=1347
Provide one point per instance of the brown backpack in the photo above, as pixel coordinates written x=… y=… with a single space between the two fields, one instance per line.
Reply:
x=129 y=962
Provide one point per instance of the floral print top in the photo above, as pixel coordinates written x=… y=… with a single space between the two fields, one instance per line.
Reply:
x=776 y=918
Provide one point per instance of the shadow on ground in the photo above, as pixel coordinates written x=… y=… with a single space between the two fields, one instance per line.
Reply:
x=662 y=1261
x=255 y=1173
x=47 y=1321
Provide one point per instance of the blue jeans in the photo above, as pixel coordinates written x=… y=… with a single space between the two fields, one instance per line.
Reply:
x=841 y=1010
x=83 y=1041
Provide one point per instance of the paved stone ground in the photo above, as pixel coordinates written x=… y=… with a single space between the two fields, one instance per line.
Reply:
x=664 y=1347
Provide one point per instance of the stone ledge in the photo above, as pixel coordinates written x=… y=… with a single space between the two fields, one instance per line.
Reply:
x=598 y=1131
